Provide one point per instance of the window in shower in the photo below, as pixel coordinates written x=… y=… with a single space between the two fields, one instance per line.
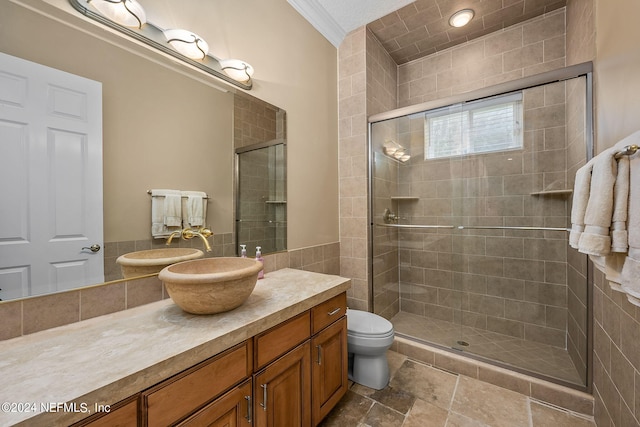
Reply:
x=481 y=126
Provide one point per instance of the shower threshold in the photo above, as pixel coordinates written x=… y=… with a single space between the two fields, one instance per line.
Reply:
x=527 y=356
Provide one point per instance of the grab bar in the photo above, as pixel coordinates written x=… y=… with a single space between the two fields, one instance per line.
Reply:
x=475 y=227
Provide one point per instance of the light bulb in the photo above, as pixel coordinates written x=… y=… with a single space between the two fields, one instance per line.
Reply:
x=124 y=12
x=187 y=43
x=461 y=18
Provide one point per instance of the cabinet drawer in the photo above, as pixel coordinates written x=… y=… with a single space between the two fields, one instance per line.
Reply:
x=122 y=414
x=179 y=396
x=328 y=312
x=275 y=342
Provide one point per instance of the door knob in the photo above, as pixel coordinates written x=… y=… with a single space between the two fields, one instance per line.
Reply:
x=93 y=248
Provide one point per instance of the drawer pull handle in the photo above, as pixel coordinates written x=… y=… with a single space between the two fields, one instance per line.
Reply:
x=319 y=348
x=264 y=397
x=248 y=416
x=332 y=312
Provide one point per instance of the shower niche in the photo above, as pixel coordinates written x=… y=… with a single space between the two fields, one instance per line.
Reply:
x=472 y=253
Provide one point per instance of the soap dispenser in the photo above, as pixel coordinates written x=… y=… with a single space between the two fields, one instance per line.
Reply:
x=259 y=258
x=243 y=251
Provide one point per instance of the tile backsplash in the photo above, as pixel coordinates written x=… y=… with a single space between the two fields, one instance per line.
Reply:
x=29 y=315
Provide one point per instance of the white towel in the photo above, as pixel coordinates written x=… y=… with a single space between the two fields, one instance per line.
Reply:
x=596 y=237
x=173 y=210
x=194 y=213
x=581 y=190
x=630 y=275
x=600 y=199
x=619 y=234
x=160 y=227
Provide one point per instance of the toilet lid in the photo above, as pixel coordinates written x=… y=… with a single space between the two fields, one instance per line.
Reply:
x=365 y=323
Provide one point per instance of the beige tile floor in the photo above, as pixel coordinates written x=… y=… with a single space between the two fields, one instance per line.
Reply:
x=534 y=357
x=419 y=395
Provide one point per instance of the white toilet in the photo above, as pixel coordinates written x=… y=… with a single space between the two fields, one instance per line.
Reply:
x=369 y=336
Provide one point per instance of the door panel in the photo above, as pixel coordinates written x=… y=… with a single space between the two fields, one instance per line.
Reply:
x=50 y=180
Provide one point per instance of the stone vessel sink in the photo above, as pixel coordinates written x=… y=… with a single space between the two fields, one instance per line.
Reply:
x=211 y=285
x=139 y=263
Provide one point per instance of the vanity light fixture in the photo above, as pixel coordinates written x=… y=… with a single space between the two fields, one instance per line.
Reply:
x=124 y=12
x=461 y=18
x=236 y=69
x=396 y=151
x=128 y=18
x=187 y=43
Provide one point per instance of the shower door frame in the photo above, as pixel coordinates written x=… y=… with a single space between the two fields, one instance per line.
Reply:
x=563 y=74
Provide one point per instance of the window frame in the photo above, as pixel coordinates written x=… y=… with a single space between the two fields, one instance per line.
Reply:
x=465 y=111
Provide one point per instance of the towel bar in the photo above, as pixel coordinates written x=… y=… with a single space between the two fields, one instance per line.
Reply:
x=629 y=150
x=474 y=227
x=184 y=197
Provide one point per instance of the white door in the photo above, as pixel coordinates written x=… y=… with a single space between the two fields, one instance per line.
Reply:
x=50 y=179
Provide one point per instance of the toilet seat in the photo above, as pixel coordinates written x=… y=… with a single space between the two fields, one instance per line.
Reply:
x=369 y=325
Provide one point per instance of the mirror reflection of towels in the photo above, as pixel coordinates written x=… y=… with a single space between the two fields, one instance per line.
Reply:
x=194 y=213
x=164 y=205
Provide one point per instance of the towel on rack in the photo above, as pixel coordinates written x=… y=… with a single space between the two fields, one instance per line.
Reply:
x=595 y=239
x=165 y=207
x=599 y=225
x=630 y=275
x=581 y=190
x=194 y=212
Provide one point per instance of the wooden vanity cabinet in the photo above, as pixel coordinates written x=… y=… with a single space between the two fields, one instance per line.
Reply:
x=232 y=409
x=282 y=382
x=291 y=375
x=122 y=414
x=181 y=395
x=329 y=368
x=301 y=367
x=282 y=391
x=329 y=355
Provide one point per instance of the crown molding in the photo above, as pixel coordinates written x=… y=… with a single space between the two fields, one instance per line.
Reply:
x=321 y=20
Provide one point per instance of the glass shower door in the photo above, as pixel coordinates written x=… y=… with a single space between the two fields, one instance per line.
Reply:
x=470 y=205
x=261 y=202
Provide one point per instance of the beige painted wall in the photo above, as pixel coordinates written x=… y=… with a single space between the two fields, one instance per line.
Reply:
x=616 y=322
x=617 y=71
x=295 y=69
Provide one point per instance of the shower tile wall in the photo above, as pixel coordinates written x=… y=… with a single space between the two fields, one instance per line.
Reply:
x=254 y=122
x=533 y=47
x=511 y=282
x=367 y=85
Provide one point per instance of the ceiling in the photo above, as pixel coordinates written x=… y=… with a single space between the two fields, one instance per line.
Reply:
x=411 y=30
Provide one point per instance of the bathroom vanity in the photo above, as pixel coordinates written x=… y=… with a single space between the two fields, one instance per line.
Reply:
x=280 y=359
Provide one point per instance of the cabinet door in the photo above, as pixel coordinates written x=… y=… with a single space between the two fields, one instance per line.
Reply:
x=330 y=364
x=232 y=409
x=282 y=391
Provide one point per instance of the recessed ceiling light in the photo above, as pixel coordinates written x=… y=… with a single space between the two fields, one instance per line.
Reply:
x=461 y=18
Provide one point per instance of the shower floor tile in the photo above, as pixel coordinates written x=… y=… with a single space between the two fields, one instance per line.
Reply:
x=535 y=357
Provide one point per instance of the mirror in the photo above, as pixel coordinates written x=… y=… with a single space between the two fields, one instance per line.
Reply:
x=163 y=127
x=261 y=197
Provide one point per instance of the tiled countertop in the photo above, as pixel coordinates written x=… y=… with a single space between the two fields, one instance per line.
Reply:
x=109 y=358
